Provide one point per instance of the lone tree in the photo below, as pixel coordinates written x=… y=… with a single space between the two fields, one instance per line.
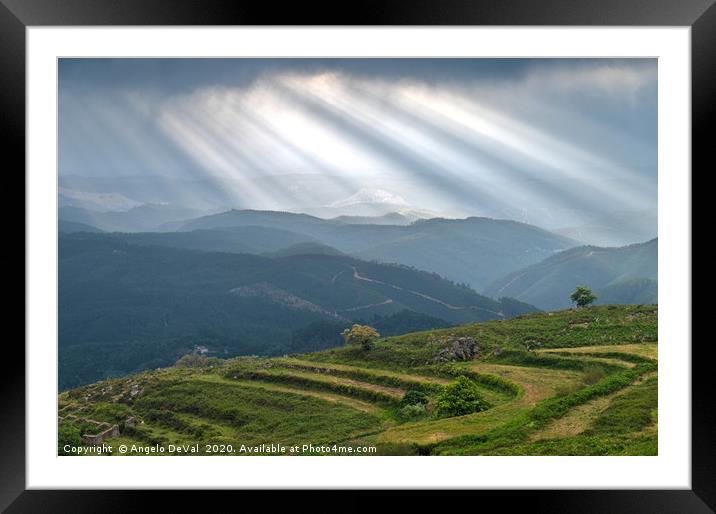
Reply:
x=583 y=296
x=362 y=335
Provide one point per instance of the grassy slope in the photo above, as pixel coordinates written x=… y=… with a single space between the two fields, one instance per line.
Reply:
x=550 y=402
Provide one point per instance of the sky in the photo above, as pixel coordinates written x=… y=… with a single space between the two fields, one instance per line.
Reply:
x=547 y=141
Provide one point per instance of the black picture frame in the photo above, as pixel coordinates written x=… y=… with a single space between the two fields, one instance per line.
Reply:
x=16 y=15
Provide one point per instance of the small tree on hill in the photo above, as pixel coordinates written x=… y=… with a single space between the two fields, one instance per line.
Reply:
x=583 y=296
x=459 y=398
x=362 y=335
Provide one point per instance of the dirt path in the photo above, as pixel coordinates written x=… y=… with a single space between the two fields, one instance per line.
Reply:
x=537 y=384
x=361 y=307
x=327 y=367
x=318 y=377
x=578 y=419
x=358 y=276
x=648 y=350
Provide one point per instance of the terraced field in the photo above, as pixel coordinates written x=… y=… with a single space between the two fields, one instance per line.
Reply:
x=589 y=389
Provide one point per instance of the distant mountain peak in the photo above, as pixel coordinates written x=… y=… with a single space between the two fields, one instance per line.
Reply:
x=367 y=195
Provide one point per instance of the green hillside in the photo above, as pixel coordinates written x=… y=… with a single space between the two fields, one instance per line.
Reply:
x=625 y=274
x=574 y=382
x=126 y=307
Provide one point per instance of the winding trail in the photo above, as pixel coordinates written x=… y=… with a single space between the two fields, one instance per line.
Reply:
x=358 y=276
x=537 y=384
x=368 y=306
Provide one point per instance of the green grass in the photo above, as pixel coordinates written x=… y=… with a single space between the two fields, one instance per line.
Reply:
x=250 y=416
x=512 y=434
x=593 y=371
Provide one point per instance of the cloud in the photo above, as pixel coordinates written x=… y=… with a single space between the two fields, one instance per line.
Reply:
x=538 y=135
x=612 y=78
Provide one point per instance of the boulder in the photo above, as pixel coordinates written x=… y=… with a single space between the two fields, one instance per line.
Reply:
x=458 y=349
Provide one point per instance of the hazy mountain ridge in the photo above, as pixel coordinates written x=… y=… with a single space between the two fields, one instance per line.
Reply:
x=615 y=229
x=142 y=218
x=474 y=250
x=73 y=226
x=617 y=275
x=247 y=239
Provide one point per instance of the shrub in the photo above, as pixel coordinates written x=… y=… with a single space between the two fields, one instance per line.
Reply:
x=68 y=434
x=459 y=398
x=412 y=410
x=414 y=397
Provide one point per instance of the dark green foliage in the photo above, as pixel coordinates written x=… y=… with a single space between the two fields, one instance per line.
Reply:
x=412 y=410
x=414 y=397
x=303 y=249
x=124 y=307
x=404 y=322
x=318 y=335
x=68 y=434
x=459 y=398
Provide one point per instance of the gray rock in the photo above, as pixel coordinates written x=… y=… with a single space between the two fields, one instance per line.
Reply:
x=458 y=349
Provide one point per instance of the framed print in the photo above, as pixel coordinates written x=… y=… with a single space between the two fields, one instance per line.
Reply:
x=421 y=248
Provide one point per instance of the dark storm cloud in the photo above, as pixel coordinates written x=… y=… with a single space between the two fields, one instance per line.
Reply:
x=474 y=136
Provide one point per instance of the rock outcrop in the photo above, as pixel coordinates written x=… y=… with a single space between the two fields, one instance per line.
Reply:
x=458 y=349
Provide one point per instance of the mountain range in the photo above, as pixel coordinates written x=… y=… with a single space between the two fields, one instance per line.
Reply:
x=475 y=251
x=615 y=229
x=617 y=275
x=151 y=303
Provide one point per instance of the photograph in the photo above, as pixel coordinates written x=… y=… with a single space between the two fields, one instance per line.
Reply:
x=379 y=256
